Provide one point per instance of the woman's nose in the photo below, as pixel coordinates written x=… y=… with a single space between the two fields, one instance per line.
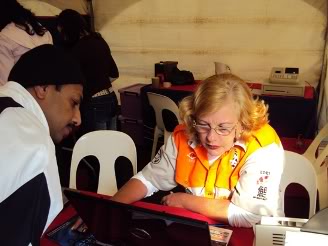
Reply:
x=211 y=135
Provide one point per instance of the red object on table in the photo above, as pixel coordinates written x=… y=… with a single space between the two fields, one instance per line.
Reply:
x=308 y=90
x=296 y=145
x=191 y=87
x=240 y=236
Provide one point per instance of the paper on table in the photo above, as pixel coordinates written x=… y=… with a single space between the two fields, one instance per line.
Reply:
x=220 y=235
x=298 y=238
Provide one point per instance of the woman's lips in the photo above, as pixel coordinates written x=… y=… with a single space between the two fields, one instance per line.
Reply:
x=212 y=146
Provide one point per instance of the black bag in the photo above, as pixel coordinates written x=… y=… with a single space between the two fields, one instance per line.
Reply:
x=177 y=77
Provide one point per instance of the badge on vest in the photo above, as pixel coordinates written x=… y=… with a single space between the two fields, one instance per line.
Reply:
x=191 y=156
x=234 y=161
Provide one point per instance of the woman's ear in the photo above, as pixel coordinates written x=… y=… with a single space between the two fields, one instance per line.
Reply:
x=41 y=91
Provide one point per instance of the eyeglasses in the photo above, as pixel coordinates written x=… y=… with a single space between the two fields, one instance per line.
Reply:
x=222 y=131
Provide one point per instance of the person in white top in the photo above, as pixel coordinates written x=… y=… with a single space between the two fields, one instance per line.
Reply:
x=226 y=157
x=19 y=32
x=39 y=106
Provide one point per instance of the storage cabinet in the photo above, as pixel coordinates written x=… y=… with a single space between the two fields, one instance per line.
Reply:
x=131 y=118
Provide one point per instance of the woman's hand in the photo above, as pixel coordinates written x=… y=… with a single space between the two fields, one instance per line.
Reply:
x=175 y=199
x=213 y=208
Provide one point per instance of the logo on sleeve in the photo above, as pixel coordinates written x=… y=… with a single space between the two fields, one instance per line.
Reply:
x=261 y=184
x=157 y=157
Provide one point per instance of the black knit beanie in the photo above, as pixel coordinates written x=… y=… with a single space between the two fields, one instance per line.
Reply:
x=46 y=65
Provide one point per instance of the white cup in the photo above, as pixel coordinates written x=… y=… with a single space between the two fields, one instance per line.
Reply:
x=221 y=68
x=167 y=84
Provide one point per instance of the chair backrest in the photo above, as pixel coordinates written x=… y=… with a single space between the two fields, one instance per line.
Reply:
x=320 y=165
x=159 y=103
x=299 y=170
x=106 y=146
x=311 y=151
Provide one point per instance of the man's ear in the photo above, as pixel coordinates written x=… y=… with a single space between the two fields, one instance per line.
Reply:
x=41 y=91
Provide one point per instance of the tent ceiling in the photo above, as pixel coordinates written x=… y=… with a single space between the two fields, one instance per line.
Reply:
x=250 y=36
x=53 y=7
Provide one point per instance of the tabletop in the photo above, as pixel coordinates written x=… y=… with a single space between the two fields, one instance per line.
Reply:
x=240 y=236
x=290 y=116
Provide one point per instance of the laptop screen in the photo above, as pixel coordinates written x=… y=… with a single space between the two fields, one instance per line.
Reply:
x=116 y=223
x=317 y=223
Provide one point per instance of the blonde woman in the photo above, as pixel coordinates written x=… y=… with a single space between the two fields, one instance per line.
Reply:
x=225 y=155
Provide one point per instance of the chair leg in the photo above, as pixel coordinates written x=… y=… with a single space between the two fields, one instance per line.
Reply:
x=166 y=135
x=157 y=133
x=323 y=191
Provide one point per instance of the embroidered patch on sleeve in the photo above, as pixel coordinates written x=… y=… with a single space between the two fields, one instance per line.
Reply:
x=262 y=193
x=261 y=184
x=157 y=157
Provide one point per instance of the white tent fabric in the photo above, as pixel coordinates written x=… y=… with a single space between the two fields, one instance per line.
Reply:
x=41 y=8
x=250 y=36
x=53 y=7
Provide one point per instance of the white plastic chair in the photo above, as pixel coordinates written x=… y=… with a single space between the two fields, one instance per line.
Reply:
x=299 y=170
x=159 y=103
x=106 y=146
x=320 y=165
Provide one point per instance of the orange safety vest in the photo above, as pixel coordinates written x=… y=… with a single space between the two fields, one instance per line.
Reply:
x=193 y=169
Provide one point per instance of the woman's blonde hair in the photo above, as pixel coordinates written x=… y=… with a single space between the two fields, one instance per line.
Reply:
x=213 y=93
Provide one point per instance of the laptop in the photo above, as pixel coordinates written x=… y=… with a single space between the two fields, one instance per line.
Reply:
x=317 y=223
x=118 y=224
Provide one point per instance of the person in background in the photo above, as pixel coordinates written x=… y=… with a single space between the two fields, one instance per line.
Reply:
x=19 y=32
x=100 y=105
x=39 y=106
x=225 y=155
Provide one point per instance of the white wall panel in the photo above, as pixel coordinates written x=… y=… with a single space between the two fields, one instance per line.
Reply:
x=53 y=7
x=251 y=36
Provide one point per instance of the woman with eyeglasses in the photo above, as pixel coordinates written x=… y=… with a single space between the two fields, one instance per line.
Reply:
x=225 y=155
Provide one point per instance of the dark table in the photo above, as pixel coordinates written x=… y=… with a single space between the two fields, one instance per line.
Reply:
x=289 y=116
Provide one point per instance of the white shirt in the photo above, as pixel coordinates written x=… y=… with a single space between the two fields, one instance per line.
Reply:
x=257 y=191
x=14 y=42
x=26 y=148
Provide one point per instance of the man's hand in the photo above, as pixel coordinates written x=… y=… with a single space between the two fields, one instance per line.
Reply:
x=79 y=226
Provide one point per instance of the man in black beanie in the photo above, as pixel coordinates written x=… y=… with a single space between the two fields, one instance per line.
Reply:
x=39 y=106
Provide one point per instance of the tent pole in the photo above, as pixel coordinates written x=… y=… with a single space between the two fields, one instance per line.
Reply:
x=322 y=102
x=91 y=14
